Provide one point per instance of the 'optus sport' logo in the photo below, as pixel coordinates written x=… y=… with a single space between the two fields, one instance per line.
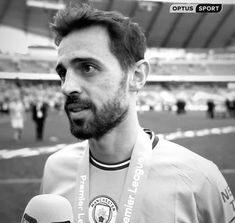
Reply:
x=196 y=8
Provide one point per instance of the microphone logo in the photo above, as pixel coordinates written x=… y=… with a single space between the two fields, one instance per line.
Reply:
x=28 y=219
x=62 y=222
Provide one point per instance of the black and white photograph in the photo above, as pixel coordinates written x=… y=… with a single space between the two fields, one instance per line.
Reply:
x=117 y=111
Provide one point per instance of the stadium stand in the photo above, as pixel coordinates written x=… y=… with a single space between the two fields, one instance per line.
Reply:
x=179 y=69
x=222 y=69
x=7 y=64
x=158 y=95
x=32 y=66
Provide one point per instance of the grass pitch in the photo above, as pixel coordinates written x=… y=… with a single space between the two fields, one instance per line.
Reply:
x=20 y=176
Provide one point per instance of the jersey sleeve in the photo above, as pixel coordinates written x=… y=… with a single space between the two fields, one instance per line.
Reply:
x=215 y=202
x=61 y=168
x=47 y=178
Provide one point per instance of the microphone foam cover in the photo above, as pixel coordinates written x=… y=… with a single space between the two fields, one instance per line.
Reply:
x=48 y=208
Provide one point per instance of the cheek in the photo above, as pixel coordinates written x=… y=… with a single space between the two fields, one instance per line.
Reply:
x=108 y=86
x=105 y=88
x=100 y=93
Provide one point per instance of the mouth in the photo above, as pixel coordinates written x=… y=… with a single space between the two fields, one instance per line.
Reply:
x=76 y=110
x=76 y=107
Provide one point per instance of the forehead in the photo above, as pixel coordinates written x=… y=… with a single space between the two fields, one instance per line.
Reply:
x=88 y=42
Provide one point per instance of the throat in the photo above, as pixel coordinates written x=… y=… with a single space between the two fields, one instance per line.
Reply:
x=117 y=145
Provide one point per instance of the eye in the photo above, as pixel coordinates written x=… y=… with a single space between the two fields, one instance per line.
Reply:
x=87 y=68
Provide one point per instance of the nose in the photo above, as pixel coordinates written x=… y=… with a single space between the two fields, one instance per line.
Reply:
x=71 y=83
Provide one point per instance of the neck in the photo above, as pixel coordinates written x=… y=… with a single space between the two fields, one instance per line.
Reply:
x=118 y=144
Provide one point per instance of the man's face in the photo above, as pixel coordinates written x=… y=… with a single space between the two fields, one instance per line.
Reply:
x=93 y=83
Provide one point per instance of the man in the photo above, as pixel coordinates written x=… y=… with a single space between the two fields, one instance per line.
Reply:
x=210 y=109
x=39 y=113
x=17 y=115
x=121 y=172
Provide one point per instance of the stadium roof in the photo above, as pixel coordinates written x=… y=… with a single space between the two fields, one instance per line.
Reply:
x=162 y=28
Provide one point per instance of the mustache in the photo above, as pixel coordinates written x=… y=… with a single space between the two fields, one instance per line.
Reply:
x=75 y=99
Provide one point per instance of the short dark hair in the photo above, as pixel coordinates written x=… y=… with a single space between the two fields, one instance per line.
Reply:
x=127 y=40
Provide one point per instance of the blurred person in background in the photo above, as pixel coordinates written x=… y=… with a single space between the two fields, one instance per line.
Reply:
x=230 y=106
x=180 y=104
x=233 y=108
x=39 y=111
x=121 y=172
x=210 y=109
x=17 y=116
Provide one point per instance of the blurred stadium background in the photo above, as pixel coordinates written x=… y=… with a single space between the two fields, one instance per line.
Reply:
x=192 y=59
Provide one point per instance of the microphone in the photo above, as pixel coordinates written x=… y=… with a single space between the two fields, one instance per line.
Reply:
x=48 y=208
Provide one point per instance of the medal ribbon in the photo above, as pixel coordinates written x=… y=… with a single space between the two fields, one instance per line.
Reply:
x=133 y=190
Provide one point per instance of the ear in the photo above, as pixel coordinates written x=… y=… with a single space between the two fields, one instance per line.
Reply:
x=139 y=75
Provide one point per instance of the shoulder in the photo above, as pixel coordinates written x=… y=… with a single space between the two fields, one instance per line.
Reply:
x=194 y=176
x=60 y=170
x=187 y=165
x=66 y=156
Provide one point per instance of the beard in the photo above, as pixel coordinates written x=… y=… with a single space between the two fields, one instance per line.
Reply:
x=100 y=121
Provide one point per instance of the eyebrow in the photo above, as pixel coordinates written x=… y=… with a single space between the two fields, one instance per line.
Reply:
x=79 y=60
x=87 y=59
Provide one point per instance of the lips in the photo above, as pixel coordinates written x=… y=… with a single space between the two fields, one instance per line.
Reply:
x=78 y=109
x=74 y=108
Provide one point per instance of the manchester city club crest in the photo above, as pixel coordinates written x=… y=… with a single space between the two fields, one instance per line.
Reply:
x=102 y=209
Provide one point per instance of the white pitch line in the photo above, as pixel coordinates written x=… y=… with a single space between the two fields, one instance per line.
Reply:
x=198 y=133
x=38 y=180
x=27 y=152
x=20 y=181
